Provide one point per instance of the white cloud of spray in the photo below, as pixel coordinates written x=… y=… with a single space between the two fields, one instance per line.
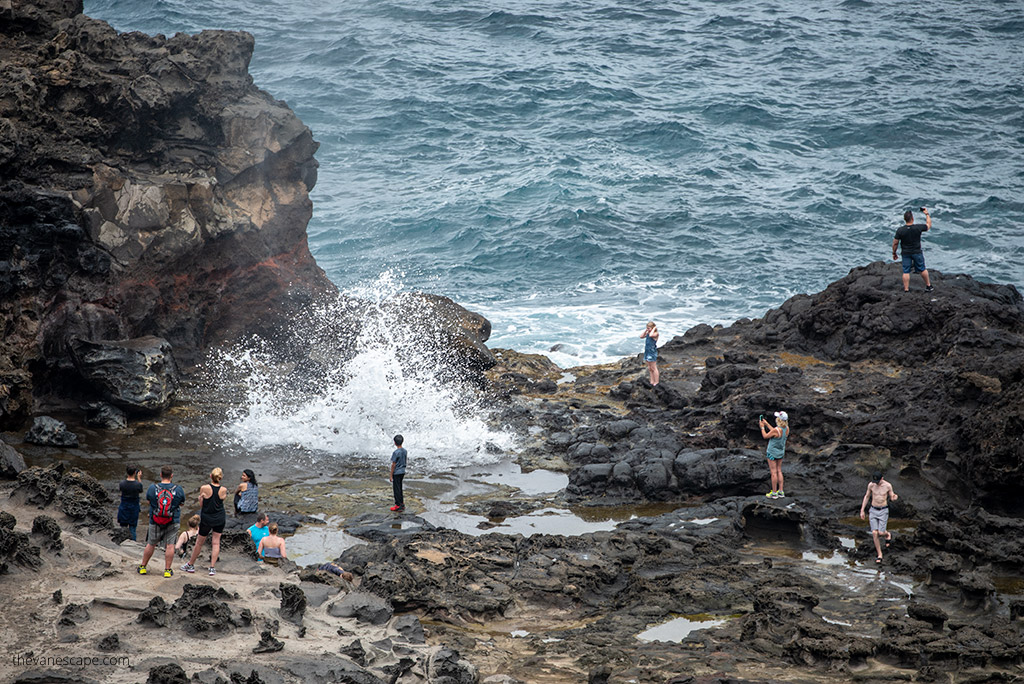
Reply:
x=361 y=391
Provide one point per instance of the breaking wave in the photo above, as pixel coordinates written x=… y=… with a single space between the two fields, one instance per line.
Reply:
x=365 y=378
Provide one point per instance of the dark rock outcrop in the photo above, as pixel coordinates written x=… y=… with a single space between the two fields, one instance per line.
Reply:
x=76 y=494
x=137 y=375
x=268 y=644
x=149 y=189
x=169 y=673
x=446 y=666
x=293 y=603
x=47 y=528
x=201 y=611
x=103 y=415
x=363 y=607
x=47 y=431
x=15 y=546
x=11 y=462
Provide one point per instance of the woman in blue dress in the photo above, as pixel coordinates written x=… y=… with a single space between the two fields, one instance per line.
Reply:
x=651 y=351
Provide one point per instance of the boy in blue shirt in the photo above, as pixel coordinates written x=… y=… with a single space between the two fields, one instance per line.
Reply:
x=398 y=459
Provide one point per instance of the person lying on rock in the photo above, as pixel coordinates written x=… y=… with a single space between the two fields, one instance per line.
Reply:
x=879 y=492
x=336 y=569
x=776 y=437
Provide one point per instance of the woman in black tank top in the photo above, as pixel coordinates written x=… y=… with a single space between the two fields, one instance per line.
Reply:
x=211 y=520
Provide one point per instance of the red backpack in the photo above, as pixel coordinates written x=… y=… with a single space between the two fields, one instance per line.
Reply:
x=164 y=513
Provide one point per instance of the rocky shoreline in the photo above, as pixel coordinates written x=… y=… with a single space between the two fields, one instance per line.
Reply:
x=790 y=583
x=154 y=207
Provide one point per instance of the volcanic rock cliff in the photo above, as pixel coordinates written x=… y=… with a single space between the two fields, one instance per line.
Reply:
x=147 y=187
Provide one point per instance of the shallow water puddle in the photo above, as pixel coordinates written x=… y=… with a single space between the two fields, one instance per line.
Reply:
x=681 y=627
x=315 y=544
x=544 y=521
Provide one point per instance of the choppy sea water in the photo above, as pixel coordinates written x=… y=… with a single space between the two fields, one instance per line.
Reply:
x=573 y=168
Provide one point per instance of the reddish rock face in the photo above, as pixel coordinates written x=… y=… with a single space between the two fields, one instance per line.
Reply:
x=147 y=188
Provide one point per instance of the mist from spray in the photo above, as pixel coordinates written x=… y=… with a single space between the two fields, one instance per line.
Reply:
x=361 y=394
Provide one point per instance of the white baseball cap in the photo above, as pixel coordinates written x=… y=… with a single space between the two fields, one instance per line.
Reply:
x=782 y=415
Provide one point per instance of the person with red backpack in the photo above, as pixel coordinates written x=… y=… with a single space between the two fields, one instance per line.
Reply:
x=164 y=519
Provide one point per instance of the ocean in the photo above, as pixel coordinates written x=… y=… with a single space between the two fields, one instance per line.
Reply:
x=571 y=169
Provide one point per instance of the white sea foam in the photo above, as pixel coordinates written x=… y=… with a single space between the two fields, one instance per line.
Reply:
x=600 y=321
x=352 y=409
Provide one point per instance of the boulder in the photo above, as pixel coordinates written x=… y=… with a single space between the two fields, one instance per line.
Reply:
x=363 y=607
x=11 y=462
x=452 y=336
x=47 y=431
x=103 y=415
x=138 y=375
x=446 y=666
x=293 y=603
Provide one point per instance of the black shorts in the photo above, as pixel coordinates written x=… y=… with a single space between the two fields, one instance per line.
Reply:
x=205 y=528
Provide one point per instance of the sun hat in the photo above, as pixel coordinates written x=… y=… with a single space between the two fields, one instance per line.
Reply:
x=782 y=415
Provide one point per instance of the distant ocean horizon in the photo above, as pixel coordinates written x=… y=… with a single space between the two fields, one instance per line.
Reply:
x=572 y=169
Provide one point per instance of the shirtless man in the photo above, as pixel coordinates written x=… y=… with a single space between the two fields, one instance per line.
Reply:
x=879 y=492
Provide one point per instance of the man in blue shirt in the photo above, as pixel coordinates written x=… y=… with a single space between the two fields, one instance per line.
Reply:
x=164 y=519
x=398 y=459
x=259 y=529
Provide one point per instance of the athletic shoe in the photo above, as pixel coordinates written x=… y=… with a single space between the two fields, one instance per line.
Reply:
x=401 y=509
x=929 y=288
x=780 y=494
x=142 y=570
x=770 y=495
x=188 y=567
x=213 y=571
x=168 y=572
x=395 y=507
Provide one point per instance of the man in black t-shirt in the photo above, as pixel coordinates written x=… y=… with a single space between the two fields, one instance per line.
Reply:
x=908 y=237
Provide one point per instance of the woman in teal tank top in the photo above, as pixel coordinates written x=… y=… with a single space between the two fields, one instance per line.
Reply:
x=776 y=437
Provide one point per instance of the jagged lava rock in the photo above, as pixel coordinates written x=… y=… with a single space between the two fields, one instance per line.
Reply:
x=47 y=431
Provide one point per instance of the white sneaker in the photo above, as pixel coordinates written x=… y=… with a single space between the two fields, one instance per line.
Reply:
x=188 y=567
x=213 y=571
